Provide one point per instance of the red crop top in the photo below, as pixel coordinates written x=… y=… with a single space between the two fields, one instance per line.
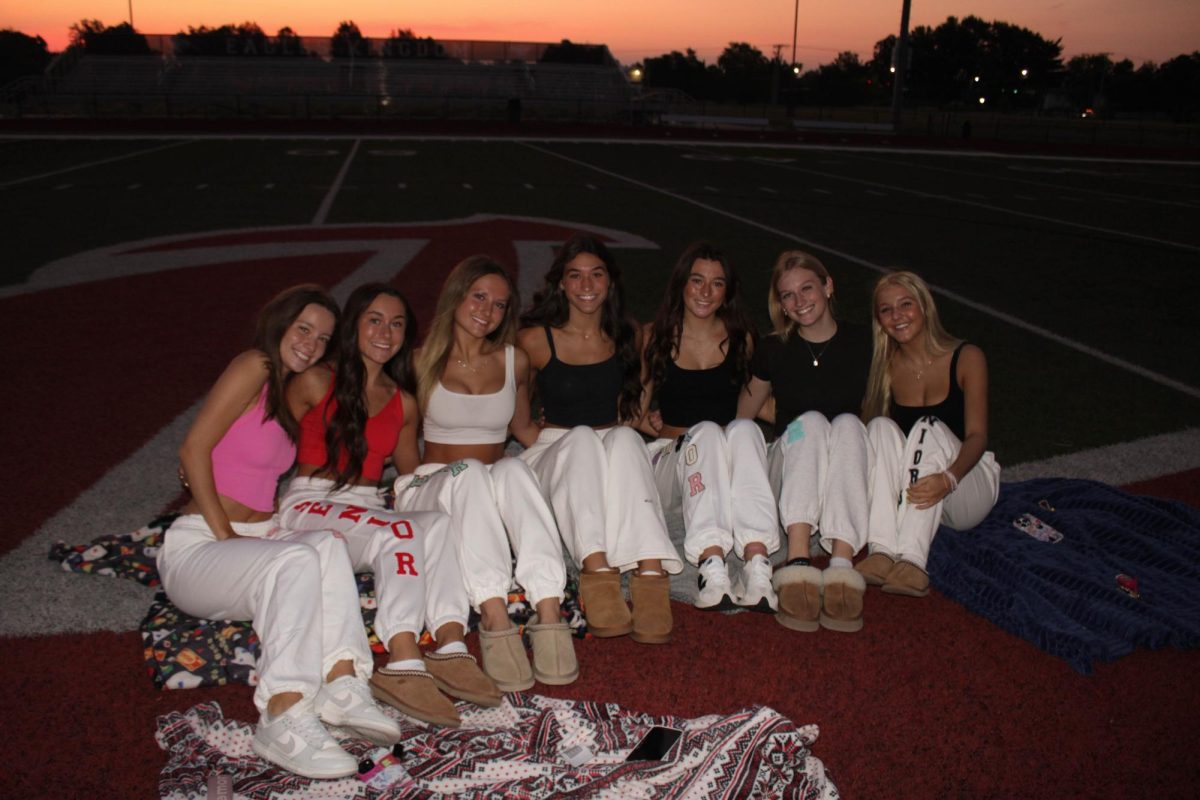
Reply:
x=383 y=431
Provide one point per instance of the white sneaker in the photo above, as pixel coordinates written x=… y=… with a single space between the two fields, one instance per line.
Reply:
x=347 y=703
x=754 y=591
x=297 y=741
x=715 y=593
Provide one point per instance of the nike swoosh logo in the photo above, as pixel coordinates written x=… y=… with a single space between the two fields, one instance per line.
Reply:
x=292 y=744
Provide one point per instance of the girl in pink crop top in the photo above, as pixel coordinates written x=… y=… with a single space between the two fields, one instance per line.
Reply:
x=227 y=558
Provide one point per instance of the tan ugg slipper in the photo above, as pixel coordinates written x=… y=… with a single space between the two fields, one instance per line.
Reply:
x=604 y=604
x=554 y=661
x=505 y=660
x=459 y=676
x=651 y=596
x=798 y=587
x=413 y=692
x=908 y=579
x=875 y=568
x=842 y=599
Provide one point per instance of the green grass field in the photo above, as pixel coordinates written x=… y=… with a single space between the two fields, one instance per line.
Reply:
x=1079 y=278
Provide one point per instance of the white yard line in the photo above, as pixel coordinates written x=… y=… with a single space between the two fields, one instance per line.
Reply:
x=98 y=163
x=336 y=187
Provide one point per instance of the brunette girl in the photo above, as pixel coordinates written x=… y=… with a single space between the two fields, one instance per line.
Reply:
x=592 y=466
x=352 y=420
x=697 y=359
x=228 y=558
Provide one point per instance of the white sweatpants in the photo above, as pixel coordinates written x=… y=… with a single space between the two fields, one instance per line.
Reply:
x=417 y=580
x=699 y=475
x=297 y=589
x=898 y=528
x=820 y=471
x=492 y=509
x=601 y=488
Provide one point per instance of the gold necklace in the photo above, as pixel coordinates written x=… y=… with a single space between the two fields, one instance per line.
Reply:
x=816 y=357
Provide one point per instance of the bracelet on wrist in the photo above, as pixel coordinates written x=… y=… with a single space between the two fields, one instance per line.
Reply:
x=953 y=481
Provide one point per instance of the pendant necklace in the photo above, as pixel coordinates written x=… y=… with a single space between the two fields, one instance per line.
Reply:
x=816 y=357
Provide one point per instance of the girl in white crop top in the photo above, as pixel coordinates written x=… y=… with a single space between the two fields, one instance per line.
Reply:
x=473 y=389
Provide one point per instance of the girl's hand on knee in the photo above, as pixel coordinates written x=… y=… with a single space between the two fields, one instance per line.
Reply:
x=928 y=491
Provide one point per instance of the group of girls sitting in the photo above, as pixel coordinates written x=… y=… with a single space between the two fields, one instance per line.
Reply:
x=338 y=394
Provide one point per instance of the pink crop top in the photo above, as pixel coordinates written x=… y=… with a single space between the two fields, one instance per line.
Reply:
x=382 y=433
x=251 y=456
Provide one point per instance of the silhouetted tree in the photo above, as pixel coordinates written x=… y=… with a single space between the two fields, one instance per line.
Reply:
x=98 y=39
x=682 y=71
x=21 y=54
x=348 y=41
x=746 y=73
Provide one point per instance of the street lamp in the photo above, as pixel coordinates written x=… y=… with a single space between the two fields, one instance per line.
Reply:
x=795 y=27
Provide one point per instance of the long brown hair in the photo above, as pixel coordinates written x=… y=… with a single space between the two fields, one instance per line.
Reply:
x=346 y=427
x=550 y=307
x=273 y=322
x=663 y=344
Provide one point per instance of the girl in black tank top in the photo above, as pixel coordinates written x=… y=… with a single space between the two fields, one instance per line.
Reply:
x=593 y=467
x=927 y=405
x=696 y=360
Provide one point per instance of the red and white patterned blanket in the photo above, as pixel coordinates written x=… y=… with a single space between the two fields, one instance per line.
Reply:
x=517 y=751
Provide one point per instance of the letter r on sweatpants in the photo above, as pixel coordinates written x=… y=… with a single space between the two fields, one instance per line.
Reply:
x=695 y=484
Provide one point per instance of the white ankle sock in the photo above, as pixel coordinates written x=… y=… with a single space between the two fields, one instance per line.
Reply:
x=838 y=561
x=718 y=559
x=407 y=663
x=649 y=572
x=453 y=647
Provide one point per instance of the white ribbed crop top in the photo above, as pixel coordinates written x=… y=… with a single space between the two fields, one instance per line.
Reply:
x=456 y=418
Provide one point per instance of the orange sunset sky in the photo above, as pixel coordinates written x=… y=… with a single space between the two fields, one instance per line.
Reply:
x=1141 y=30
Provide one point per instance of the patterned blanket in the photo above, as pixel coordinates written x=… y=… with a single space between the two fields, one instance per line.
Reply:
x=183 y=652
x=1084 y=571
x=529 y=747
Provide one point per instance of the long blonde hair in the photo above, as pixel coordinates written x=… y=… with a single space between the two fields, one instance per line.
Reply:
x=937 y=341
x=783 y=325
x=435 y=350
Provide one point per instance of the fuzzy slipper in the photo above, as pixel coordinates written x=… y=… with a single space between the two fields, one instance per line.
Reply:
x=798 y=587
x=842 y=599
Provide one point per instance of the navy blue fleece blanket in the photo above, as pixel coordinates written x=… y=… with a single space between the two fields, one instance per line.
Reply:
x=1125 y=572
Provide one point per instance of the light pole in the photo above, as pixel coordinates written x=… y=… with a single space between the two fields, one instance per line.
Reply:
x=131 y=14
x=795 y=26
x=901 y=64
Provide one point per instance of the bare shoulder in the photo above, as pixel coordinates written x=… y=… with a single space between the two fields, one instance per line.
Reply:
x=409 y=403
x=314 y=381
x=246 y=373
x=971 y=363
x=520 y=361
x=533 y=342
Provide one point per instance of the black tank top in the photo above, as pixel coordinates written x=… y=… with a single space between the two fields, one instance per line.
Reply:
x=952 y=411
x=579 y=394
x=689 y=396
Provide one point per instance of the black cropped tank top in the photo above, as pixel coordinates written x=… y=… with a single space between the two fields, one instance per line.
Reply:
x=689 y=396
x=952 y=411
x=579 y=394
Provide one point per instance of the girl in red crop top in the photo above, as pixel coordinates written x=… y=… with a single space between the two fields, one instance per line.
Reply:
x=695 y=362
x=939 y=471
x=227 y=558
x=352 y=418
x=474 y=387
x=596 y=475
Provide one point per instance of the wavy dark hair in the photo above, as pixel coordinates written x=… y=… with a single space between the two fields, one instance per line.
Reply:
x=550 y=307
x=346 y=427
x=273 y=322
x=667 y=327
